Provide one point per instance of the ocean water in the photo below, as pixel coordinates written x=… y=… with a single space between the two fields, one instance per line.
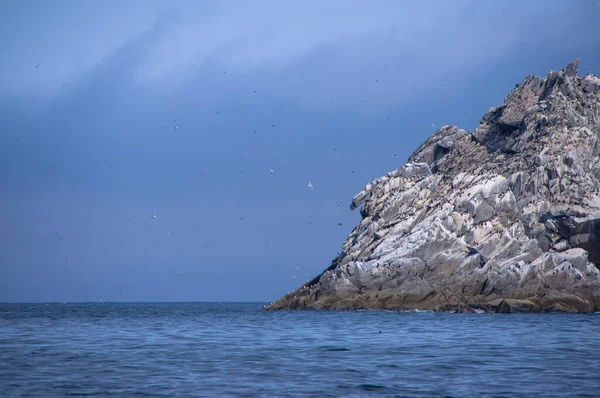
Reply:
x=200 y=349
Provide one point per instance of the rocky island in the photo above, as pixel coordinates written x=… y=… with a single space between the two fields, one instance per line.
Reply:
x=503 y=219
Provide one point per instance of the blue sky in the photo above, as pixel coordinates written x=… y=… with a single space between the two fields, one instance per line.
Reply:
x=112 y=113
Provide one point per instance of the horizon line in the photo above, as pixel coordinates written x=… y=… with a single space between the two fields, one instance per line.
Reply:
x=133 y=302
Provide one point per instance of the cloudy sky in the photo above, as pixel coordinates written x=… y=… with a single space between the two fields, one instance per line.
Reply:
x=137 y=138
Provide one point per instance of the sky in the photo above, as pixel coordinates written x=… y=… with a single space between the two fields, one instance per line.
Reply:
x=162 y=151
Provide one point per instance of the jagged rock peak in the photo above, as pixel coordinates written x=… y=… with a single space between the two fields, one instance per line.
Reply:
x=504 y=219
x=573 y=68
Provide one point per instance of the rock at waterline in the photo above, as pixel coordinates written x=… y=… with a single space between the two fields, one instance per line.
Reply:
x=506 y=219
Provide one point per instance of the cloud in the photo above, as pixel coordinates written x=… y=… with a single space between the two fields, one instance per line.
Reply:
x=337 y=47
x=68 y=39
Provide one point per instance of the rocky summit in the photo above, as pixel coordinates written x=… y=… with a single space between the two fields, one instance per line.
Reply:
x=503 y=219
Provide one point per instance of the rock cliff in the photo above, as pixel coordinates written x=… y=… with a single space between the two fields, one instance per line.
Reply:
x=504 y=219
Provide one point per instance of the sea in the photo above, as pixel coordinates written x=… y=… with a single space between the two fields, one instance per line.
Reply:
x=237 y=350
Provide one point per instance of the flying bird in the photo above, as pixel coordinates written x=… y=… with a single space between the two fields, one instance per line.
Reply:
x=310 y=185
x=339 y=224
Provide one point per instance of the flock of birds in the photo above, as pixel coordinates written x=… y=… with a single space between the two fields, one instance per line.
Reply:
x=176 y=126
x=206 y=245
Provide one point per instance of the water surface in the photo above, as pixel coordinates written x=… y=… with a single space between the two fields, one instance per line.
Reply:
x=200 y=349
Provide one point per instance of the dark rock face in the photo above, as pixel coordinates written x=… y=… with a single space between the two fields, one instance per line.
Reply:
x=506 y=219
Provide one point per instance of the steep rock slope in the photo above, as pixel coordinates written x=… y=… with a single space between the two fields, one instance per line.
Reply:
x=504 y=219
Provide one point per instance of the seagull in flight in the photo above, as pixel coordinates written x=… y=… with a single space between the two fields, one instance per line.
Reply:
x=310 y=185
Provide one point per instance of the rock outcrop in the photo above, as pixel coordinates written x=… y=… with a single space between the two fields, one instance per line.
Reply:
x=505 y=219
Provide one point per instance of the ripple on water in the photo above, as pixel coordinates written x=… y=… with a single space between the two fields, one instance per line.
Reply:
x=236 y=350
x=371 y=387
x=333 y=348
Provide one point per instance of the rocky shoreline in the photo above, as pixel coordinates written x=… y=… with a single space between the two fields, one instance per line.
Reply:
x=503 y=219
